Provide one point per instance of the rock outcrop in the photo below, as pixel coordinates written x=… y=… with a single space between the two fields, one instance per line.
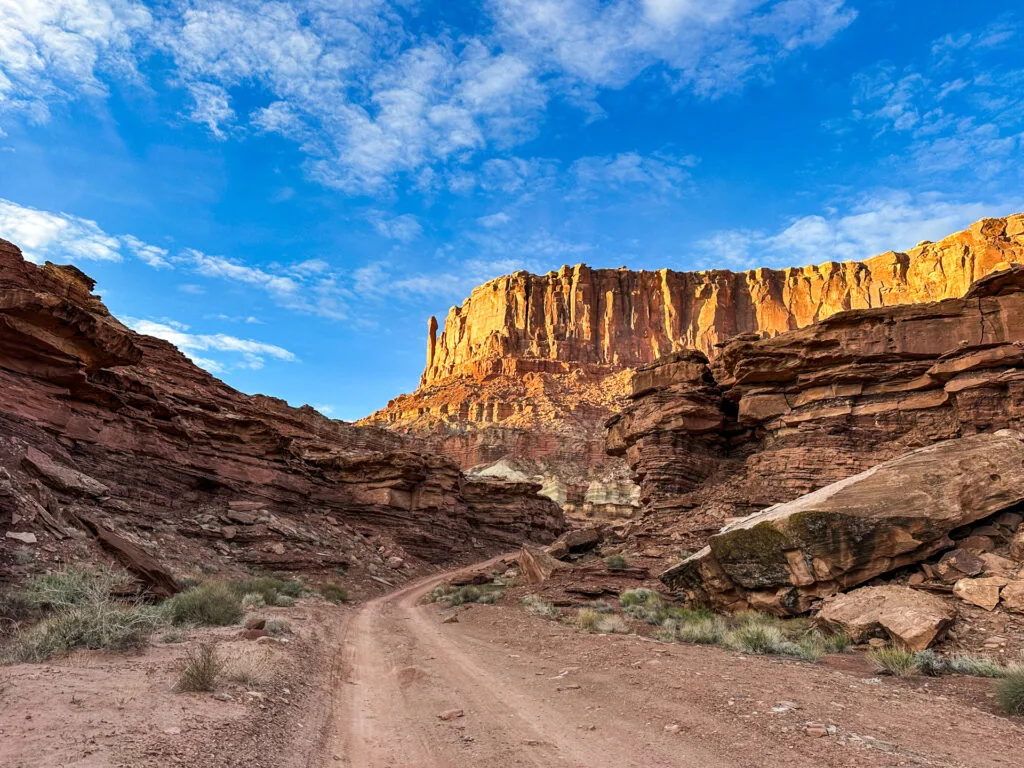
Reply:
x=769 y=420
x=526 y=370
x=898 y=513
x=911 y=619
x=102 y=424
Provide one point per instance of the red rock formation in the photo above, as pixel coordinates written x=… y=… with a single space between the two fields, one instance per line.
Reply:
x=103 y=424
x=529 y=366
x=769 y=420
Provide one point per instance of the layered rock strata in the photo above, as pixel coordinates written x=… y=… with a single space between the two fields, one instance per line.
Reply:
x=103 y=424
x=769 y=420
x=529 y=366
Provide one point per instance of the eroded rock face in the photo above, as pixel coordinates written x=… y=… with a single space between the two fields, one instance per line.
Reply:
x=100 y=421
x=895 y=514
x=769 y=420
x=529 y=367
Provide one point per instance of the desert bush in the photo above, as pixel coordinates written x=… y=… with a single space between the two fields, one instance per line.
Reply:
x=704 y=631
x=601 y=606
x=277 y=627
x=587 y=619
x=253 y=602
x=758 y=638
x=71 y=586
x=1010 y=692
x=213 y=604
x=893 y=661
x=100 y=623
x=644 y=604
x=270 y=588
x=974 y=666
x=334 y=593
x=472 y=593
x=755 y=619
x=173 y=636
x=538 y=606
x=24 y=557
x=199 y=670
x=616 y=563
x=930 y=664
x=285 y=601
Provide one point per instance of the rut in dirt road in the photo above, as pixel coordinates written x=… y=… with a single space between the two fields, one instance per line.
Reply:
x=403 y=670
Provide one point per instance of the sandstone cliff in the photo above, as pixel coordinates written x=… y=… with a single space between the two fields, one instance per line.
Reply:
x=104 y=429
x=768 y=420
x=526 y=370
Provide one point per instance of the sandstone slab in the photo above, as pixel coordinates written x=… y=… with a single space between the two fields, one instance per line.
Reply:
x=913 y=619
x=983 y=592
x=892 y=515
x=1012 y=596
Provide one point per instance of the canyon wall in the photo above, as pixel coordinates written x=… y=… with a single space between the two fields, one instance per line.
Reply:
x=769 y=420
x=524 y=373
x=104 y=429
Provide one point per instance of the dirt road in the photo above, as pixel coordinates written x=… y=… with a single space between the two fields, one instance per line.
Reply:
x=538 y=693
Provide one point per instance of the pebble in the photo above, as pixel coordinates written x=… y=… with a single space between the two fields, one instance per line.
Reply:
x=451 y=714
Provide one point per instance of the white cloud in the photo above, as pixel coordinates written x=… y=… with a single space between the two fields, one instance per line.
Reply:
x=59 y=237
x=659 y=174
x=368 y=91
x=253 y=353
x=150 y=254
x=404 y=228
x=495 y=220
x=880 y=221
x=52 y=51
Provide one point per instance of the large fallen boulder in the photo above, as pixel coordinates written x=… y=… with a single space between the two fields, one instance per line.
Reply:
x=913 y=619
x=897 y=513
x=536 y=566
x=574 y=542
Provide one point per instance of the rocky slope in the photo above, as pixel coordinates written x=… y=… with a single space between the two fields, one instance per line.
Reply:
x=526 y=370
x=110 y=433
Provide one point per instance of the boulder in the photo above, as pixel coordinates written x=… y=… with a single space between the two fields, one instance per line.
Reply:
x=913 y=619
x=1017 y=546
x=574 y=542
x=978 y=544
x=536 y=566
x=983 y=592
x=997 y=565
x=897 y=513
x=1012 y=596
x=956 y=564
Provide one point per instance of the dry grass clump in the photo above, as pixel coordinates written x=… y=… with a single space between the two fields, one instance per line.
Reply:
x=616 y=563
x=538 y=606
x=612 y=625
x=587 y=619
x=277 y=627
x=252 y=667
x=893 y=661
x=1010 y=692
x=274 y=591
x=199 y=670
x=213 y=605
x=702 y=631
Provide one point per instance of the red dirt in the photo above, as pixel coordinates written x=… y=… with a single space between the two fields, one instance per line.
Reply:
x=367 y=685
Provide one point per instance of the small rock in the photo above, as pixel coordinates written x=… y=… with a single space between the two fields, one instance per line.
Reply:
x=915 y=579
x=672 y=728
x=278 y=549
x=24 y=538
x=816 y=730
x=222 y=696
x=174 y=731
x=451 y=714
x=255 y=622
x=395 y=562
x=452 y=619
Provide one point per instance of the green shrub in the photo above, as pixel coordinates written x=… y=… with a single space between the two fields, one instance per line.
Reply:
x=199 y=670
x=930 y=664
x=616 y=563
x=893 y=661
x=214 y=604
x=269 y=588
x=601 y=606
x=472 y=593
x=285 y=601
x=756 y=638
x=644 y=604
x=334 y=593
x=253 y=602
x=838 y=643
x=174 y=636
x=538 y=606
x=1010 y=692
x=98 y=623
x=70 y=587
x=755 y=619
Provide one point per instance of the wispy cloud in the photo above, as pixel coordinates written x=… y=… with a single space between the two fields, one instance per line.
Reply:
x=245 y=353
x=368 y=93
x=874 y=223
x=56 y=236
x=404 y=228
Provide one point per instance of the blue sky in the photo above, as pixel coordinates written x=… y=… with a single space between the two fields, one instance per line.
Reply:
x=288 y=190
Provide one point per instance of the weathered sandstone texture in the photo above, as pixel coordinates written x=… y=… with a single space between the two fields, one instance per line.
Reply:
x=895 y=514
x=528 y=367
x=769 y=420
x=105 y=429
